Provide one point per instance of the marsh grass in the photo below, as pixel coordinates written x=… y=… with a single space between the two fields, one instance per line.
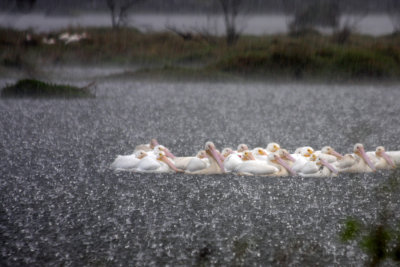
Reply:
x=35 y=88
x=299 y=56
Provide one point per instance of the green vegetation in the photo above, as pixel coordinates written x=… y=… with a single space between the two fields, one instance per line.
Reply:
x=305 y=55
x=35 y=88
x=379 y=239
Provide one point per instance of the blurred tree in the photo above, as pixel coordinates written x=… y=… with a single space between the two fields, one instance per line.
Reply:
x=230 y=10
x=393 y=8
x=341 y=16
x=17 y=5
x=119 y=11
x=311 y=14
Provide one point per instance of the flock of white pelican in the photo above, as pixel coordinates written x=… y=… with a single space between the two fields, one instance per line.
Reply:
x=270 y=161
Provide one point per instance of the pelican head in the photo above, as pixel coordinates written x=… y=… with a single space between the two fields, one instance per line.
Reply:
x=201 y=154
x=161 y=156
x=153 y=143
x=275 y=158
x=242 y=148
x=140 y=154
x=319 y=161
x=226 y=152
x=329 y=150
x=260 y=151
x=247 y=155
x=380 y=152
x=273 y=147
x=212 y=151
x=309 y=150
x=359 y=151
x=162 y=148
x=306 y=151
x=286 y=155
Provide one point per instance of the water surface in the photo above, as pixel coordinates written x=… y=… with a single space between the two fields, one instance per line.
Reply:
x=62 y=205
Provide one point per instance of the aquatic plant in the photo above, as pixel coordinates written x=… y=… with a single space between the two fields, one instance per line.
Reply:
x=380 y=239
x=36 y=88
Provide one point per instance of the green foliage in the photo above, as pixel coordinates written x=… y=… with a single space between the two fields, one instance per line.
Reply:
x=36 y=88
x=375 y=243
x=357 y=62
x=351 y=231
x=303 y=55
x=380 y=240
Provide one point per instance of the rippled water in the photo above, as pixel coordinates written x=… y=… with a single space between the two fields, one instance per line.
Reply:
x=61 y=205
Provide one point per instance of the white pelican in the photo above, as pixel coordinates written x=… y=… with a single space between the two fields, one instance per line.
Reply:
x=147 y=147
x=159 y=164
x=357 y=162
x=381 y=159
x=282 y=165
x=199 y=162
x=395 y=156
x=64 y=36
x=251 y=166
x=317 y=167
x=154 y=146
x=286 y=155
x=231 y=159
x=48 y=41
x=216 y=165
x=160 y=148
x=127 y=162
x=241 y=148
x=260 y=154
x=302 y=156
x=273 y=147
x=329 y=154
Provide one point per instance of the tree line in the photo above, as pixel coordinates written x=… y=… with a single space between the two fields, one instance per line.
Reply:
x=304 y=15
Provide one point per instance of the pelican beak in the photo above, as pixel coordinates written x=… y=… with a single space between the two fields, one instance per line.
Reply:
x=217 y=158
x=251 y=157
x=221 y=157
x=289 y=157
x=336 y=154
x=168 y=153
x=329 y=166
x=388 y=159
x=142 y=156
x=169 y=163
x=153 y=143
x=366 y=158
x=285 y=165
x=262 y=152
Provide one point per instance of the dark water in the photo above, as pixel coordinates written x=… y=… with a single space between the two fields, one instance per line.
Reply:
x=61 y=205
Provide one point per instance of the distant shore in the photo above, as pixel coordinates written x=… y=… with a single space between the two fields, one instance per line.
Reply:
x=306 y=56
x=375 y=24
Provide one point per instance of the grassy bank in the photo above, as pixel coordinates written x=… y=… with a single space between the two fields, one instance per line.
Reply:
x=306 y=56
x=35 y=88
